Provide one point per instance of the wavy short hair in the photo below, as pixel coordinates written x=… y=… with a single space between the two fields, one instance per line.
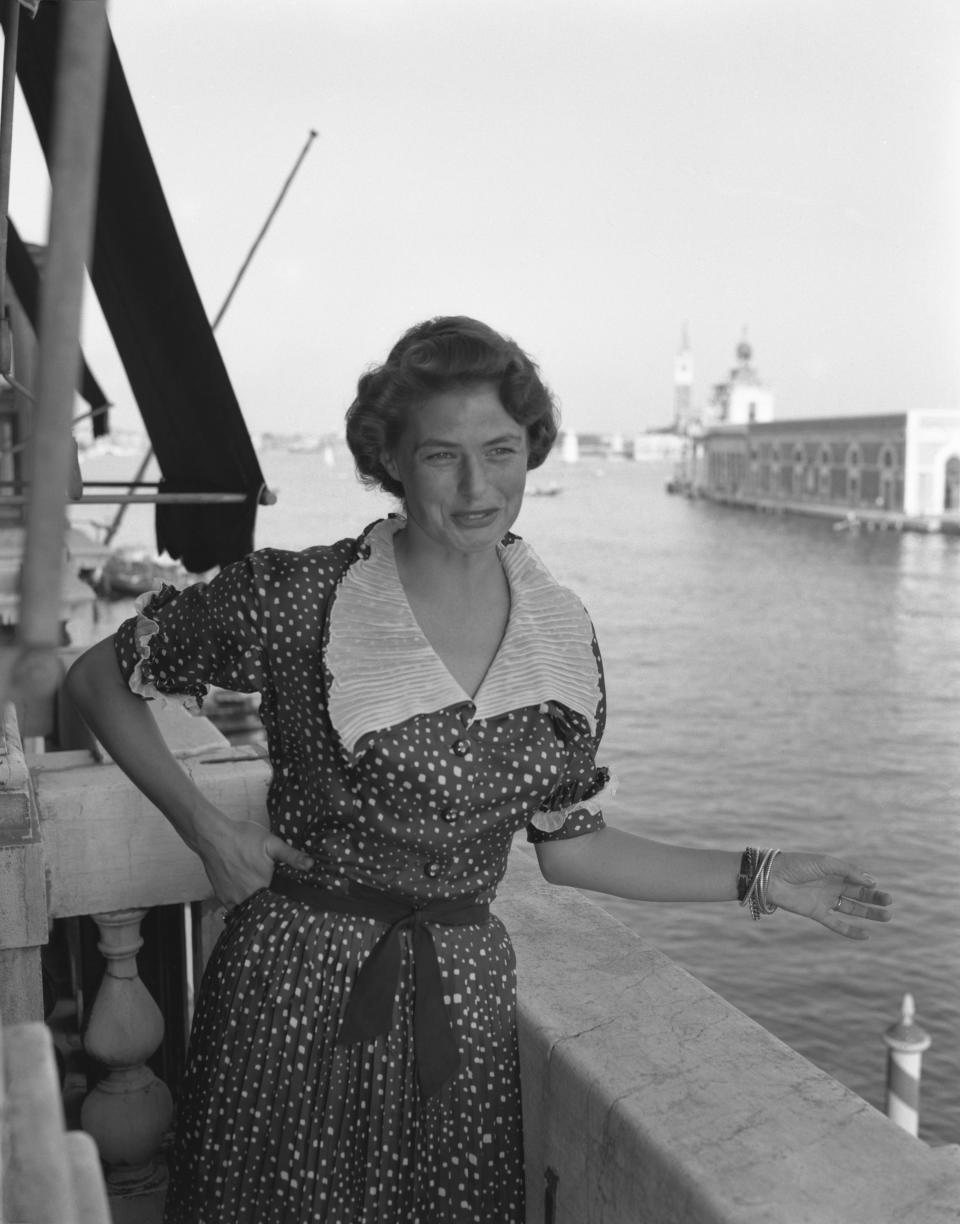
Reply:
x=435 y=356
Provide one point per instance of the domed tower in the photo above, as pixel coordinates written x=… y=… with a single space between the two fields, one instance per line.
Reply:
x=746 y=397
x=683 y=384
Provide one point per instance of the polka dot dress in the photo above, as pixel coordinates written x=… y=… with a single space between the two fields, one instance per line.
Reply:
x=278 y=1123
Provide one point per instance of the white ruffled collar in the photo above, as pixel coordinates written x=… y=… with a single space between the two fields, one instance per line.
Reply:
x=384 y=671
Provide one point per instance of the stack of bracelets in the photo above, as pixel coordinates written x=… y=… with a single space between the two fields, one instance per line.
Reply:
x=755 y=866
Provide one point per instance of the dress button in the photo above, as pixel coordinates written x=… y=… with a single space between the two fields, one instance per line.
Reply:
x=451 y=817
x=432 y=870
x=462 y=747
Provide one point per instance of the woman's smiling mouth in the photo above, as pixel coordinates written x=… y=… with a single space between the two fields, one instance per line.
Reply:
x=471 y=517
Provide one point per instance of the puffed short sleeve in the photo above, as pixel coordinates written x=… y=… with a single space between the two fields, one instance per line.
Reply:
x=575 y=806
x=179 y=642
x=573 y=815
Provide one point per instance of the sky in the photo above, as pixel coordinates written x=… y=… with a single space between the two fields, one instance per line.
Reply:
x=588 y=176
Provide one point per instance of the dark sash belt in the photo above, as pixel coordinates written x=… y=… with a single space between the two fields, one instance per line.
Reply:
x=369 y=1012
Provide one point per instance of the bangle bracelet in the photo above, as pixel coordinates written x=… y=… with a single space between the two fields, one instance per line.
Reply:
x=746 y=872
x=760 y=865
x=763 y=879
x=747 y=869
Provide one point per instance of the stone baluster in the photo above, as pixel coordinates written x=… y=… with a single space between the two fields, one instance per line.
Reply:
x=130 y=1109
x=47 y=1174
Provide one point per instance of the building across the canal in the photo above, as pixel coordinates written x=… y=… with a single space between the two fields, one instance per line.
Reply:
x=899 y=469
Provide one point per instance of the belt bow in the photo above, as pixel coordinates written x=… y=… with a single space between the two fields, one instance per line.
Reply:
x=369 y=1011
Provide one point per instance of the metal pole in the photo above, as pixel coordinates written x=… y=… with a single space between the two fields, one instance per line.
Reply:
x=905 y=1043
x=6 y=147
x=145 y=499
x=266 y=497
x=118 y=517
x=263 y=229
x=74 y=162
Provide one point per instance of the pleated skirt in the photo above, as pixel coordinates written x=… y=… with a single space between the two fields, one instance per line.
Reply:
x=278 y=1124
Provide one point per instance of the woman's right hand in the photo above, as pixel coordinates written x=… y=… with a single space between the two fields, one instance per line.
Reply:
x=239 y=856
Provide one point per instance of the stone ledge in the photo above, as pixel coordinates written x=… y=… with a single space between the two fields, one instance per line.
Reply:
x=106 y=847
x=653 y=1099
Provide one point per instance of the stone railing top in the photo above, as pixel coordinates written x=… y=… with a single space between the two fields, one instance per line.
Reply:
x=652 y=1098
x=105 y=846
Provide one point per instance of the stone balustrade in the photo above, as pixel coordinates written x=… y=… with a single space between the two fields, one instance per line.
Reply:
x=647 y=1096
x=48 y=1175
x=76 y=837
x=129 y=1111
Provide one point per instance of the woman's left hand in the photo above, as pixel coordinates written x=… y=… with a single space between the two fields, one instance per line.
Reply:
x=829 y=890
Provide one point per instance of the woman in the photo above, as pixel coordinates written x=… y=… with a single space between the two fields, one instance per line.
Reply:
x=427 y=690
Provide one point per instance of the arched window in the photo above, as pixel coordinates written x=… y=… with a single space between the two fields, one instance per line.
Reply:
x=853 y=456
x=886 y=458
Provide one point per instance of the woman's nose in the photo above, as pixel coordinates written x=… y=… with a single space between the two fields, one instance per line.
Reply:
x=473 y=477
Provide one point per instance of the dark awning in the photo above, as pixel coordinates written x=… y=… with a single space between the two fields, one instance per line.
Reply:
x=157 y=320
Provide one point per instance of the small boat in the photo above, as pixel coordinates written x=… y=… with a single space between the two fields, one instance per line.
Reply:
x=550 y=490
x=129 y=571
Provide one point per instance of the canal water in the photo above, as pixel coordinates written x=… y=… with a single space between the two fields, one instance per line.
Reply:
x=770 y=681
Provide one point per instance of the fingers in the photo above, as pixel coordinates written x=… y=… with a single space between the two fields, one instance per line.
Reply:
x=850 y=873
x=247 y=864
x=874 y=897
x=859 y=896
x=873 y=907
x=863 y=903
x=278 y=851
x=845 y=929
x=832 y=891
x=275 y=848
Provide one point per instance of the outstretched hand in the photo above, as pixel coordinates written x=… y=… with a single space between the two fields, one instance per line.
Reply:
x=828 y=890
x=239 y=858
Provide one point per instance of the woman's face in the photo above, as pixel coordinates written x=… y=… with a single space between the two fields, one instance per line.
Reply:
x=462 y=461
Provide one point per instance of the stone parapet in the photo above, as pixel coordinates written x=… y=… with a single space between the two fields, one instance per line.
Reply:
x=649 y=1098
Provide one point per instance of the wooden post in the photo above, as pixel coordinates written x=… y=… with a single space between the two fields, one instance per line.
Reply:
x=129 y=1111
x=74 y=167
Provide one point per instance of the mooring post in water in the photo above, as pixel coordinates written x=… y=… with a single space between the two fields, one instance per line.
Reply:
x=906 y=1042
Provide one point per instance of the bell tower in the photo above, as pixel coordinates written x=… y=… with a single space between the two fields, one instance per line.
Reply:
x=683 y=384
